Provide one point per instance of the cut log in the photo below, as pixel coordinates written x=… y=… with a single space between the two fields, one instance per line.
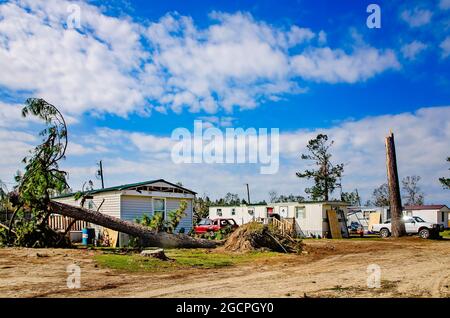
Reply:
x=155 y=253
x=148 y=237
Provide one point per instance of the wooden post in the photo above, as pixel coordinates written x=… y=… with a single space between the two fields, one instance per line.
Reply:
x=398 y=226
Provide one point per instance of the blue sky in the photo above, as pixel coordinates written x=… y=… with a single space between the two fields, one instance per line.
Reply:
x=130 y=72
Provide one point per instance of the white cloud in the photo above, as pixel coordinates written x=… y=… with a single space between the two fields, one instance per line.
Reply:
x=115 y=65
x=217 y=121
x=445 y=47
x=78 y=70
x=76 y=149
x=444 y=4
x=411 y=50
x=417 y=17
x=242 y=61
x=422 y=143
x=11 y=115
x=327 y=65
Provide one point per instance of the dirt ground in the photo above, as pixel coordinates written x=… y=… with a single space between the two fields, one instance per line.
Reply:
x=410 y=267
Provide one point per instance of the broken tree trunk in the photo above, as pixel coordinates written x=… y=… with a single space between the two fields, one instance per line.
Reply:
x=148 y=237
x=398 y=226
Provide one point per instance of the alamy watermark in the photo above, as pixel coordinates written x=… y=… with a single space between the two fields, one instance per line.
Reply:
x=374 y=278
x=73 y=20
x=374 y=19
x=235 y=146
x=74 y=277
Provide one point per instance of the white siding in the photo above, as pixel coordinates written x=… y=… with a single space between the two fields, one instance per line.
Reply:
x=111 y=205
x=314 y=222
x=134 y=207
x=241 y=215
x=432 y=216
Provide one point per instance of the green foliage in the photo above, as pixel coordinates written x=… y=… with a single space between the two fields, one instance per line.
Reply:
x=201 y=208
x=42 y=177
x=5 y=204
x=288 y=198
x=326 y=175
x=174 y=217
x=181 y=259
x=3 y=236
x=157 y=222
x=351 y=197
x=445 y=181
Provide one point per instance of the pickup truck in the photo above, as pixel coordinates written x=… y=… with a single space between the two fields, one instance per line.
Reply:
x=413 y=225
x=210 y=226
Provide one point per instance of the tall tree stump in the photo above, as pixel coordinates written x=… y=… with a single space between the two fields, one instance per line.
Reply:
x=397 y=224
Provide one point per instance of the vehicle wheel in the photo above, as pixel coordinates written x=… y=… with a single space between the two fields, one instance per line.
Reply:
x=424 y=233
x=384 y=233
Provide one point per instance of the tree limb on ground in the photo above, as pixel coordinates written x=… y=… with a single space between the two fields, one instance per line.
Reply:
x=148 y=237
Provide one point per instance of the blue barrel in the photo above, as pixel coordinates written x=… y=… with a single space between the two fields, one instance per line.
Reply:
x=87 y=236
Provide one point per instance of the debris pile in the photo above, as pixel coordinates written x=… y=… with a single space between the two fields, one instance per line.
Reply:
x=256 y=236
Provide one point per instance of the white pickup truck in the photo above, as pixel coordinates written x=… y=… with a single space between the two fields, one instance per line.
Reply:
x=413 y=225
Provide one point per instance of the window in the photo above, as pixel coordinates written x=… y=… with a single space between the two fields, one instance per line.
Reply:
x=159 y=206
x=442 y=216
x=205 y=222
x=219 y=212
x=300 y=212
x=233 y=211
x=90 y=205
x=407 y=219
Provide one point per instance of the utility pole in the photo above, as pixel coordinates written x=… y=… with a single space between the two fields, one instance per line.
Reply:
x=100 y=173
x=248 y=194
x=398 y=226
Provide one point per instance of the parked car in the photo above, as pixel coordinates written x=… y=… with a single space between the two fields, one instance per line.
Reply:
x=211 y=226
x=413 y=225
x=356 y=228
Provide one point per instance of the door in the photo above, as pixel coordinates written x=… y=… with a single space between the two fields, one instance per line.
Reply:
x=410 y=225
x=284 y=211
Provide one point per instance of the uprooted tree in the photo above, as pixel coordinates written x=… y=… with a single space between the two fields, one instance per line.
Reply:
x=28 y=225
x=42 y=178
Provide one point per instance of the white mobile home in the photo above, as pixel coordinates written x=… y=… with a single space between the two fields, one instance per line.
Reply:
x=131 y=201
x=241 y=214
x=431 y=213
x=310 y=218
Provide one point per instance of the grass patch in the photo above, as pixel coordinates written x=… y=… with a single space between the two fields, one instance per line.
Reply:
x=445 y=234
x=180 y=259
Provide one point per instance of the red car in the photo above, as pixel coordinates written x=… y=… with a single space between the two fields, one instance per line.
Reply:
x=211 y=226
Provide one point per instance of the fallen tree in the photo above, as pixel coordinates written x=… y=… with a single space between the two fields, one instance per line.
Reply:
x=42 y=178
x=148 y=237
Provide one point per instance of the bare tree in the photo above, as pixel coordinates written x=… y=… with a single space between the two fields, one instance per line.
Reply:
x=380 y=196
x=273 y=196
x=412 y=195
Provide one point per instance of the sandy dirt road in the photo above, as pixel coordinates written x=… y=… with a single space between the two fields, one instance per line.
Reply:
x=410 y=267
